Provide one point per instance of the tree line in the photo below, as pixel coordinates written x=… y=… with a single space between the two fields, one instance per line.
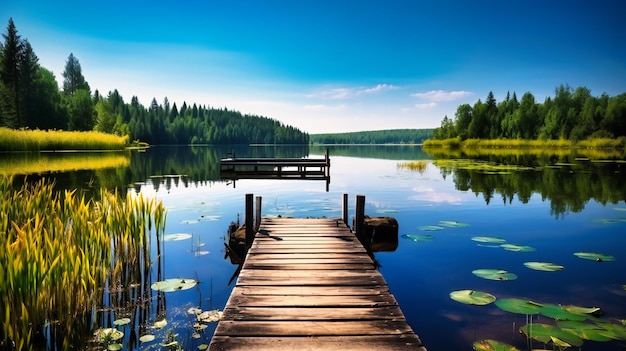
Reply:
x=572 y=114
x=391 y=136
x=31 y=98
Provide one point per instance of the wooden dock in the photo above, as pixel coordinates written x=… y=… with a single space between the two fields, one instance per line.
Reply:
x=234 y=168
x=309 y=284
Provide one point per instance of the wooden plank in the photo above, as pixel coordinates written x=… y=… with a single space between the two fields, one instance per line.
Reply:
x=245 y=313
x=318 y=343
x=308 y=301
x=312 y=290
x=312 y=328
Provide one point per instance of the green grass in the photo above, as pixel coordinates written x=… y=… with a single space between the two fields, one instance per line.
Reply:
x=39 y=140
x=599 y=143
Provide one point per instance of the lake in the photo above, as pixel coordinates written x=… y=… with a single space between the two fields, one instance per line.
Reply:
x=549 y=206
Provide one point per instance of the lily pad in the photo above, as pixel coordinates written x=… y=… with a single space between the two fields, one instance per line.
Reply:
x=430 y=228
x=203 y=347
x=210 y=316
x=418 y=238
x=517 y=248
x=583 y=310
x=550 y=333
x=494 y=274
x=114 y=347
x=147 y=338
x=594 y=256
x=543 y=266
x=489 y=239
x=560 y=313
x=453 y=224
x=493 y=345
x=121 y=321
x=109 y=333
x=472 y=297
x=176 y=284
x=160 y=324
x=177 y=237
x=519 y=306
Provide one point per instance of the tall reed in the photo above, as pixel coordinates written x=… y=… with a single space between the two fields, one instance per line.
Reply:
x=58 y=250
x=39 y=140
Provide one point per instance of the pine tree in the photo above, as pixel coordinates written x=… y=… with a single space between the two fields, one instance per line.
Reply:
x=73 y=79
x=10 y=54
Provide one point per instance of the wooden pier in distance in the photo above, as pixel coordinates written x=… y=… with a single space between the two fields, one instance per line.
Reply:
x=309 y=284
x=234 y=168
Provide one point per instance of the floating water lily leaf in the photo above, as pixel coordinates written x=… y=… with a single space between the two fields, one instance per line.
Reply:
x=519 y=306
x=429 y=228
x=109 y=333
x=176 y=284
x=418 y=238
x=493 y=345
x=594 y=256
x=560 y=313
x=614 y=330
x=160 y=324
x=489 y=239
x=547 y=333
x=582 y=310
x=147 y=338
x=114 y=347
x=177 y=237
x=189 y=221
x=210 y=316
x=472 y=297
x=170 y=344
x=121 y=321
x=585 y=330
x=517 y=248
x=203 y=347
x=453 y=224
x=494 y=274
x=196 y=336
x=543 y=266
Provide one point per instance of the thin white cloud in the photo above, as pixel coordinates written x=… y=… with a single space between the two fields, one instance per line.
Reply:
x=426 y=106
x=346 y=93
x=442 y=95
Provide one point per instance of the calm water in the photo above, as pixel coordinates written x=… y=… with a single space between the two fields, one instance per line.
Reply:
x=558 y=210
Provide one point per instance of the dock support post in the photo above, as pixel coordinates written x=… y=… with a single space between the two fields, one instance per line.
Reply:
x=257 y=217
x=344 y=209
x=249 y=220
x=359 y=218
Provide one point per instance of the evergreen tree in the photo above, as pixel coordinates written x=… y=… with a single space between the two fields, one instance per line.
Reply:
x=10 y=95
x=73 y=79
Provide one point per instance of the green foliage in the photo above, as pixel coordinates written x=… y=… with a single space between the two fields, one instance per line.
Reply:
x=572 y=115
x=391 y=136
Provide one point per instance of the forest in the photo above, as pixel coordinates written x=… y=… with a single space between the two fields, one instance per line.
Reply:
x=391 y=136
x=572 y=114
x=30 y=98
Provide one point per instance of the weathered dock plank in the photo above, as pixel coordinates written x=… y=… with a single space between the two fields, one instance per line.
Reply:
x=308 y=284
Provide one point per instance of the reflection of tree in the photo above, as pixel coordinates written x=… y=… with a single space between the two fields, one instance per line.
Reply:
x=568 y=183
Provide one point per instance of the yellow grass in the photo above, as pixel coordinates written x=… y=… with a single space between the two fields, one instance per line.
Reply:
x=56 y=252
x=39 y=140
x=419 y=166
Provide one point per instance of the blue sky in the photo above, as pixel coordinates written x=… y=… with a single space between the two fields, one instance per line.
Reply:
x=331 y=66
